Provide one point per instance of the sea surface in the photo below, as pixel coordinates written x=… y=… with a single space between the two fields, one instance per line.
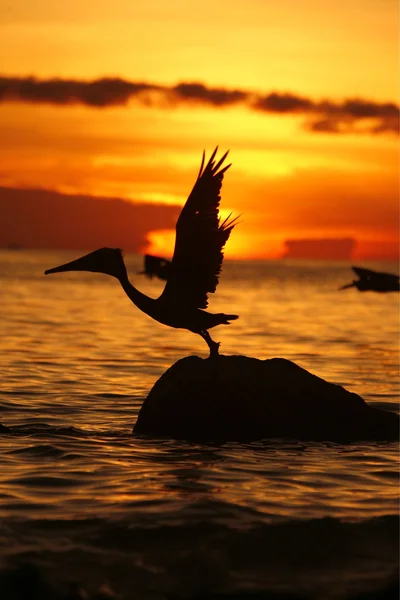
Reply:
x=88 y=511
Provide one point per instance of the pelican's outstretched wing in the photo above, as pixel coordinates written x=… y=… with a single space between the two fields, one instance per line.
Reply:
x=200 y=238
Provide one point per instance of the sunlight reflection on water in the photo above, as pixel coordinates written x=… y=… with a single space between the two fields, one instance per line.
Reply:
x=78 y=359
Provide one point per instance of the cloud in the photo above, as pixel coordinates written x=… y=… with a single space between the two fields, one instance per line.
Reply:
x=98 y=93
x=343 y=117
x=219 y=97
x=335 y=117
x=355 y=115
x=326 y=248
x=283 y=103
x=38 y=218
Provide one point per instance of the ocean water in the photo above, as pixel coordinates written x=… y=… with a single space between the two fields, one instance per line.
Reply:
x=89 y=511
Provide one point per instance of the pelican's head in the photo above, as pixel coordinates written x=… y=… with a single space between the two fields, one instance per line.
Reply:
x=106 y=260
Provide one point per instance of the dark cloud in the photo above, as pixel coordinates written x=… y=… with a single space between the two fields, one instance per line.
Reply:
x=356 y=116
x=351 y=125
x=198 y=92
x=38 y=218
x=363 y=108
x=100 y=92
x=325 y=126
x=283 y=103
x=350 y=116
x=332 y=249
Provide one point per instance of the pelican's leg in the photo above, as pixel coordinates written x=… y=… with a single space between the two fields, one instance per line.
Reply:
x=214 y=346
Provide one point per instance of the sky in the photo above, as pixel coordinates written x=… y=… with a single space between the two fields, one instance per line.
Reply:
x=119 y=99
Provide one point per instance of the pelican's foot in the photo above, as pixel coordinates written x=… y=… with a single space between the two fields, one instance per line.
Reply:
x=214 y=346
x=214 y=349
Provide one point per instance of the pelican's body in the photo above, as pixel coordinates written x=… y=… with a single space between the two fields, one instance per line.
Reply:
x=374 y=281
x=195 y=266
x=176 y=315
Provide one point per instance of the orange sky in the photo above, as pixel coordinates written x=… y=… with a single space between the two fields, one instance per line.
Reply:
x=311 y=168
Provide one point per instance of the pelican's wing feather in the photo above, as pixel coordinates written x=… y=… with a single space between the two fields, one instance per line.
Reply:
x=199 y=242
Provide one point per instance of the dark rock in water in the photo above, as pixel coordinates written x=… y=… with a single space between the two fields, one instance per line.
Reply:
x=241 y=398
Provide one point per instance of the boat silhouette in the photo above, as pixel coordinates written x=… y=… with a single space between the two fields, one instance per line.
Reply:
x=373 y=281
x=155 y=266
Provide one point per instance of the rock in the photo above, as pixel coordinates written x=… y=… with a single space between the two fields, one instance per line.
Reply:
x=241 y=398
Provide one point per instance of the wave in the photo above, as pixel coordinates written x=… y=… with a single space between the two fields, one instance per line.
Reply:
x=125 y=559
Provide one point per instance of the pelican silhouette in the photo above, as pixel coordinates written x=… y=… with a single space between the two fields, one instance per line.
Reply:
x=373 y=281
x=196 y=263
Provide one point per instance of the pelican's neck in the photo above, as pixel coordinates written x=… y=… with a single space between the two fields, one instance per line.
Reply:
x=140 y=300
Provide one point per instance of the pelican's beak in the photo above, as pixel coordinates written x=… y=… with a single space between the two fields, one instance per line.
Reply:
x=349 y=285
x=85 y=263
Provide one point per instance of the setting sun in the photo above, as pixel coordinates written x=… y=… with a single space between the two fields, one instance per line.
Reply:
x=121 y=103
x=199 y=299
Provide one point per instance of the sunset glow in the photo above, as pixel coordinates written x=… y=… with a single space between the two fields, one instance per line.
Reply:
x=305 y=96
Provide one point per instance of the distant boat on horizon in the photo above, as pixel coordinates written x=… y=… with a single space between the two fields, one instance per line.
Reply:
x=155 y=266
x=14 y=246
x=374 y=281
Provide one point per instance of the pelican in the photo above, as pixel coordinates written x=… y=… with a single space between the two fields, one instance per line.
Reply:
x=373 y=281
x=196 y=263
